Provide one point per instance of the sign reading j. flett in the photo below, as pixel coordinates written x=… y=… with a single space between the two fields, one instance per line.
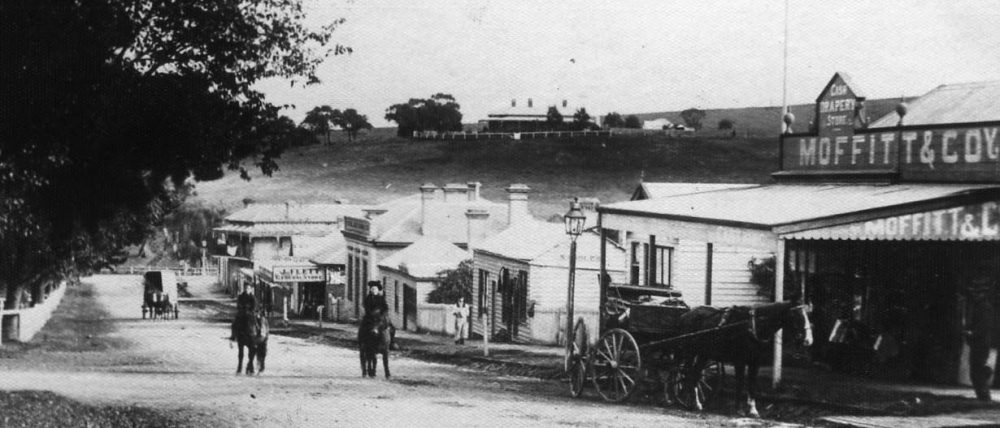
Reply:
x=977 y=222
x=960 y=153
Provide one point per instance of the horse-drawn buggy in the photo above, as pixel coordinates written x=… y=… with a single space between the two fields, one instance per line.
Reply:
x=159 y=295
x=650 y=339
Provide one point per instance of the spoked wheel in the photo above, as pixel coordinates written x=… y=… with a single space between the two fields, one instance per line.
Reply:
x=576 y=361
x=695 y=382
x=616 y=365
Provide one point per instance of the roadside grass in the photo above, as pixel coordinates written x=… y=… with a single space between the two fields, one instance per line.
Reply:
x=381 y=168
x=47 y=409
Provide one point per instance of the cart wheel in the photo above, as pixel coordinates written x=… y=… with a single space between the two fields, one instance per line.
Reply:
x=577 y=359
x=695 y=382
x=616 y=365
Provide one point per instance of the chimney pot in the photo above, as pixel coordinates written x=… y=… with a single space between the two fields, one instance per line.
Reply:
x=513 y=103
x=427 y=195
x=473 y=190
x=564 y=104
x=529 y=102
x=517 y=208
x=454 y=191
x=476 y=227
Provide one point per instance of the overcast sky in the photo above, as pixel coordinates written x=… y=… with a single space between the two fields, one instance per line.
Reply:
x=640 y=56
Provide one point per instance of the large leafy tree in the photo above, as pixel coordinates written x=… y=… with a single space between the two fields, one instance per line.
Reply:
x=439 y=113
x=352 y=123
x=693 y=117
x=581 y=119
x=319 y=121
x=454 y=283
x=554 y=119
x=109 y=107
x=632 y=121
x=614 y=120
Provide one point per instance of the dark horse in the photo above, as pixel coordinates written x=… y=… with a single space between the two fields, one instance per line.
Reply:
x=740 y=341
x=374 y=338
x=251 y=331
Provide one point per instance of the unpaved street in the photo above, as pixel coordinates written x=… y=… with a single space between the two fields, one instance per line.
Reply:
x=186 y=366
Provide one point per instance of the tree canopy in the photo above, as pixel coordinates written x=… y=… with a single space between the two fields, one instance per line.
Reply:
x=455 y=283
x=352 y=123
x=632 y=121
x=726 y=124
x=693 y=117
x=614 y=120
x=439 y=113
x=553 y=118
x=110 y=107
x=581 y=119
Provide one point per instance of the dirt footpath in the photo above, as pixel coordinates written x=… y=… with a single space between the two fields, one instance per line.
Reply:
x=98 y=351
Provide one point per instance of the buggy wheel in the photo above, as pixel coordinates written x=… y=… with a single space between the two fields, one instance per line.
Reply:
x=577 y=359
x=616 y=365
x=695 y=382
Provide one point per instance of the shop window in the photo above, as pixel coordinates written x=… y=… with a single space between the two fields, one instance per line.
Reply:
x=664 y=261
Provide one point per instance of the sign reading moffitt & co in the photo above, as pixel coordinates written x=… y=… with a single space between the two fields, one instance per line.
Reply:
x=952 y=153
x=977 y=222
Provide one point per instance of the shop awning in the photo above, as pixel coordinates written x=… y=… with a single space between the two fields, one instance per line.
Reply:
x=756 y=217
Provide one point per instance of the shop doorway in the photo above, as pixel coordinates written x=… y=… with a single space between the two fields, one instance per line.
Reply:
x=409 y=308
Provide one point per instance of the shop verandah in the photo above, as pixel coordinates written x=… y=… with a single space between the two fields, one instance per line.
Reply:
x=887 y=299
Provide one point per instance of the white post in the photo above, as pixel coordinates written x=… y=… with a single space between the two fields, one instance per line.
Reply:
x=486 y=334
x=319 y=314
x=2 y=301
x=284 y=309
x=779 y=295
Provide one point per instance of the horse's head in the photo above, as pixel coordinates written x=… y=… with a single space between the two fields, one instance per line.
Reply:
x=800 y=324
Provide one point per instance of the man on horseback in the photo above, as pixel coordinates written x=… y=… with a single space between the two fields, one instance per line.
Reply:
x=377 y=309
x=246 y=309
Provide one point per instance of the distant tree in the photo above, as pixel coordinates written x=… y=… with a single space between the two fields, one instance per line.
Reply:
x=693 y=117
x=632 y=121
x=352 y=122
x=726 y=124
x=440 y=113
x=614 y=120
x=455 y=283
x=554 y=119
x=319 y=121
x=581 y=120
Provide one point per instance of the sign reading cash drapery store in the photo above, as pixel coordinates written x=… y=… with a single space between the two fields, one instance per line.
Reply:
x=977 y=222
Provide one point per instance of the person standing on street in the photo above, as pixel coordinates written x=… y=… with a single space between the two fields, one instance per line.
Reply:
x=461 y=312
x=981 y=326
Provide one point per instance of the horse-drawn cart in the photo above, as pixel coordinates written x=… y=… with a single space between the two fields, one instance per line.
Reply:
x=159 y=295
x=648 y=341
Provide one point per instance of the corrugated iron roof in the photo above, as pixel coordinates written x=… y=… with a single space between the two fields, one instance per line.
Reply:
x=279 y=229
x=295 y=213
x=766 y=206
x=426 y=257
x=662 y=190
x=401 y=221
x=954 y=103
x=525 y=240
x=526 y=112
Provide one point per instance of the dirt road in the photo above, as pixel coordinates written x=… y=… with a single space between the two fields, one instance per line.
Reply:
x=186 y=367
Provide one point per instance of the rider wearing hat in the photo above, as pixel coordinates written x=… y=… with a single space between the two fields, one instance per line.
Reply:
x=246 y=306
x=376 y=306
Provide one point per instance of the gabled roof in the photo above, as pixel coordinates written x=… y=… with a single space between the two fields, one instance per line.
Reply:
x=525 y=240
x=426 y=257
x=294 y=213
x=663 y=190
x=328 y=250
x=534 y=111
x=547 y=244
x=955 y=103
x=401 y=221
x=847 y=79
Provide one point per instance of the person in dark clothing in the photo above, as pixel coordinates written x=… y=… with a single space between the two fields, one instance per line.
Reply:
x=980 y=326
x=375 y=306
x=246 y=306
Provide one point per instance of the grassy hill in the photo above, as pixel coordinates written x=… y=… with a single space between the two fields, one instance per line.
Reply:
x=380 y=167
x=766 y=121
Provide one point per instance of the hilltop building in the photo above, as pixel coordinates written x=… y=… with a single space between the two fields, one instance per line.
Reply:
x=526 y=118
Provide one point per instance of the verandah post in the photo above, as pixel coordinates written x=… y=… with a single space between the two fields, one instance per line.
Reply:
x=779 y=295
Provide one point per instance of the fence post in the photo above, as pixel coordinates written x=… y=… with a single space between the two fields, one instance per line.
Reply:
x=2 y=301
x=284 y=309
x=319 y=315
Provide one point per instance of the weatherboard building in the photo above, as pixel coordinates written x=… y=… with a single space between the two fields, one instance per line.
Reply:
x=879 y=226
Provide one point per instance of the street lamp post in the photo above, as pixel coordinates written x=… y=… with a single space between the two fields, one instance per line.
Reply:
x=574 y=226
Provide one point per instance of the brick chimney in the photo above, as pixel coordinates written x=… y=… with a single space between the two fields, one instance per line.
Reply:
x=517 y=208
x=529 y=103
x=513 y=103
x=564 y=104
x=474 y=190
x=455 y=192
x=476 y=231
x=427 y=196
